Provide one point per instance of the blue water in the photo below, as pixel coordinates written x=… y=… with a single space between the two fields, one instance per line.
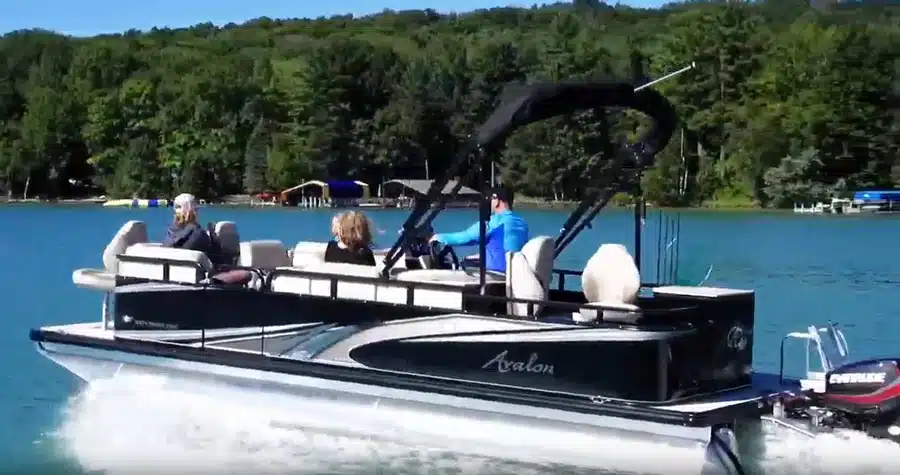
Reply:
x=805 y=269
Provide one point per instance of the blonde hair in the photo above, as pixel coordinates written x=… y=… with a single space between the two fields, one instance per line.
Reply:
x=185 y=217
x=335 y=224
x=354 y=230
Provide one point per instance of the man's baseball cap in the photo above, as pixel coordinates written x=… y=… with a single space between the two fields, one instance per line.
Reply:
x=502 y=194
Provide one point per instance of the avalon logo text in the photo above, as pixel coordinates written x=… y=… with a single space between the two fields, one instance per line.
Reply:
x=503 y=365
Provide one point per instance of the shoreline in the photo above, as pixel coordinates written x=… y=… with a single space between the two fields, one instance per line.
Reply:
x=548 y=205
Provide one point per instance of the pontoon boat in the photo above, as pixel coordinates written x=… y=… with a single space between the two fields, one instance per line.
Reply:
x=645 y=360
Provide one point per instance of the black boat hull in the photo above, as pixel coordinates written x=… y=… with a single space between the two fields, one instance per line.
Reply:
x=667 y=358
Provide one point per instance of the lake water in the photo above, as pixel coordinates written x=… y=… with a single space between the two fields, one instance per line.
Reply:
x=805 y=269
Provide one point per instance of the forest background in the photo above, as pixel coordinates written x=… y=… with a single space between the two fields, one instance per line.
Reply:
x=788 y=103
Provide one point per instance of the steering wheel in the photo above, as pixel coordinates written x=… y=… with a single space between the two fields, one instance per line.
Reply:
x=443 y=256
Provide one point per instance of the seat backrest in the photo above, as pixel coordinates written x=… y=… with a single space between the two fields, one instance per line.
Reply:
x=229 y=241
x=308 y=252
x=611 y=276
x=263 y=254
x=164 y=264
x=318 y=276
x=344 y=268
x=528 y=274
x=131 y=233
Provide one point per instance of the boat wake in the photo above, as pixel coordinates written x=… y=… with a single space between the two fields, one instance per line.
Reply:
x=134 y=425
x=841 y=452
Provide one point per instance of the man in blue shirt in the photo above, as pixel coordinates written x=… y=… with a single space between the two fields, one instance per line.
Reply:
x=505 y=232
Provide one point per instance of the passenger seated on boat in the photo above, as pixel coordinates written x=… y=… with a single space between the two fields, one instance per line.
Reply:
x=185 y=232
x=505 y=232
x=354 y=242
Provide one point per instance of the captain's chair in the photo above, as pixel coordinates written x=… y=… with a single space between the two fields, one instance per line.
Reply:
x=611 y=279
x=528 y=274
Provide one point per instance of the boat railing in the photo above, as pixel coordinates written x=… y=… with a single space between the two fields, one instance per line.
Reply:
x=201 y=273
x=412 y=286
x=561 y=274
x=196 y=271
x=173 y=271
x=831 y=353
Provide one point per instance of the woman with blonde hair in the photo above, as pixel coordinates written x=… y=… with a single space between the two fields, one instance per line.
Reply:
x=354 y=240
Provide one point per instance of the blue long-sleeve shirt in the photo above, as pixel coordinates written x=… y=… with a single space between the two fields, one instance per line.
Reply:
x=505 y=232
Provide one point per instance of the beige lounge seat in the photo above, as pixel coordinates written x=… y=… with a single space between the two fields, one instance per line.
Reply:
x=458 y=278
x=528 y=275
x=307 y=252
x=371 y=287
x=266 y=254
x=169 y=264
x=611 y=279
x=131 y=233
x=459 y=282
x=313 y=252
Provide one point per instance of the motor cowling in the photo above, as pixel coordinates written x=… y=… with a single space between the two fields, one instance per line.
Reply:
x=865 y=388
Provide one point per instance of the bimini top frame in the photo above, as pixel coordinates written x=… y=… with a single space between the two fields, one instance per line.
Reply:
x=534 y=103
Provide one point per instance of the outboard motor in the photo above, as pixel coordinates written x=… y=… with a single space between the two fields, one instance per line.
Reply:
x=867 y=395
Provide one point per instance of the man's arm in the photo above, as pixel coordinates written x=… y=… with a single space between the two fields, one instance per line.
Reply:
x=467 y=237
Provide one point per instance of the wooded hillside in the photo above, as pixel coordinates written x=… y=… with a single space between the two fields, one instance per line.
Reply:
x=787 y=102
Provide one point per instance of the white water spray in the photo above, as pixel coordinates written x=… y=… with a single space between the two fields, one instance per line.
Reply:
x=140 y=424
x=134 y=425
x=840 y=453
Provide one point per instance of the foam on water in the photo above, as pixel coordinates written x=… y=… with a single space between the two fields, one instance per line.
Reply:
x=841 y=452
x=133 y=425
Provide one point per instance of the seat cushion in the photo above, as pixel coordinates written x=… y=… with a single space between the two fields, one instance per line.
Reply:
x=308 y=252
x=611 y=276
x=263 y=254
x=131 y=233
x=523 y=283
x=459 y=278
x=611 y=312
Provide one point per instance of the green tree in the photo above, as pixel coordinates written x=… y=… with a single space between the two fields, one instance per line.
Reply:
x=270 y=103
